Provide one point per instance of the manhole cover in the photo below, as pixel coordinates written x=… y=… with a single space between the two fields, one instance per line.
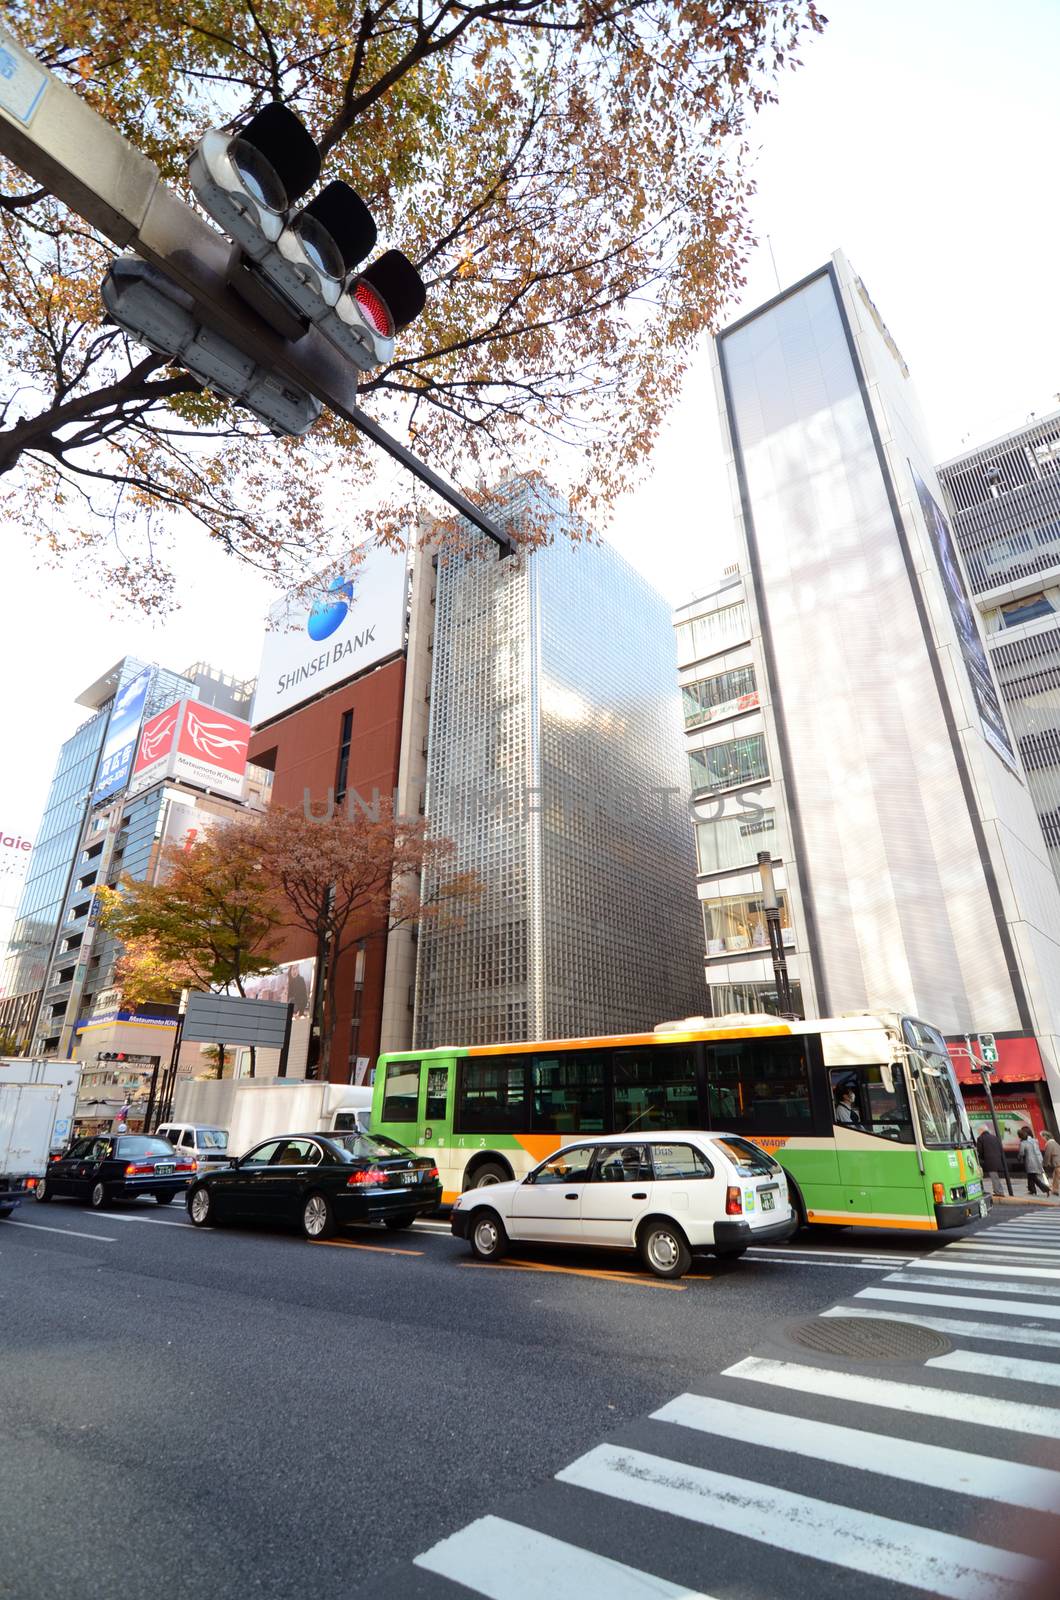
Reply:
x=869 y=1339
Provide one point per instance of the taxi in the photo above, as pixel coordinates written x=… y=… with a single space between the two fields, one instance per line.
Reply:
x=668 y=1196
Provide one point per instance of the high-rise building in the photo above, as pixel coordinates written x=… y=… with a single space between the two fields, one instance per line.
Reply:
x=1005 y=501
x=91 y=833
x=554 y=765
x=914 y=864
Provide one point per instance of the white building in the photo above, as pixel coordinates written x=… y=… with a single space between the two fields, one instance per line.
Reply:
x=914 y=863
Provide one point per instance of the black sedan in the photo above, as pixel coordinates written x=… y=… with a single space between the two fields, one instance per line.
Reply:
x=322 y=1181
x=116 y=1167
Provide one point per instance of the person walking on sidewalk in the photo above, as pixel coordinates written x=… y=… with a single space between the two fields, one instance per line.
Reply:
x=1051 y=1163
x=991 y=1159
x=1033 y=1161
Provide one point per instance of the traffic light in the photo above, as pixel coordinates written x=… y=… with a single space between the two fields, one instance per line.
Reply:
x=154 y=311
x=988 y=1047
x=249 y=183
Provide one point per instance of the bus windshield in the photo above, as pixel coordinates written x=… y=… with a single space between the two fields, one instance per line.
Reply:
x=943 y=1120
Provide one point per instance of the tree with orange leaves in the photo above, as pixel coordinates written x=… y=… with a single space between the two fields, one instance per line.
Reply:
x=569 y=176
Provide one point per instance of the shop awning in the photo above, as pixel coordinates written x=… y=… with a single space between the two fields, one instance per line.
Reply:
x=1018 y=1060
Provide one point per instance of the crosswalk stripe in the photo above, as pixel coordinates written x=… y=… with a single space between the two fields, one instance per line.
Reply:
x=1045 y=1290
x=1010 y=1368
x=506 y=1561
x=1040 y=1338
x=1009 y=1271
x=1027 y=1309
x=969 y=1247
x=937 y=1466
x=917 y=1398
x=860 y=1541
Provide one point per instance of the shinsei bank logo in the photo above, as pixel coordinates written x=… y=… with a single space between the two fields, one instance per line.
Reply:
x=330 y=610
x=328 y=614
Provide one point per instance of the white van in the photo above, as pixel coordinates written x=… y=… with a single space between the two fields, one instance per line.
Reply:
x=208 y=1146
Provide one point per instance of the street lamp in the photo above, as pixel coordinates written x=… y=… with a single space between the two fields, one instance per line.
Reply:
x=771 y=907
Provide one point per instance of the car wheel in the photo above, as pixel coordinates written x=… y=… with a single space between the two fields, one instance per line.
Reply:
x=200 y=1207
x=318 y=1217
x=99 y=1197
x=664 y=1249
x=5 y=1212
x=165 y=1199
x=395 y=1223
x=487 y=1237
x=42 y=1192
x=487 y=1175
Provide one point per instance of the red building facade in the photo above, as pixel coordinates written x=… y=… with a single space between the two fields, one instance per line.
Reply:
x=345 y=744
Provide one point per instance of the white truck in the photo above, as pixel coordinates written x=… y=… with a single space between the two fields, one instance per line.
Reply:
x=252 y=1109
x=35 y=1119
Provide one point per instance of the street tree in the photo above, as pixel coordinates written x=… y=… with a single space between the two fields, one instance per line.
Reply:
x=351 y=877
x=569 y=176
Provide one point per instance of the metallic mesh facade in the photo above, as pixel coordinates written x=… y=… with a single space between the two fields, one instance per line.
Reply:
x=555 y=765
x=1005 y=501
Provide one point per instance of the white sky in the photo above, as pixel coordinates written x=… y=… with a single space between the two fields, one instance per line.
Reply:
x=919 y=136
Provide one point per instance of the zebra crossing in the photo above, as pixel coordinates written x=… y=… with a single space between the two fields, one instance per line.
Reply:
x=796 y=1472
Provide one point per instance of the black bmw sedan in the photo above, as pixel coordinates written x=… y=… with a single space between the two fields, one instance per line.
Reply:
x=321 y=1181
x=116 y=1167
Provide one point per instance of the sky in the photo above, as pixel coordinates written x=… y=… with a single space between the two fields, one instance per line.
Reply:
x=919 y=136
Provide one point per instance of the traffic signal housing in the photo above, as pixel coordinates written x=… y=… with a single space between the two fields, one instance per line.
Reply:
x=988 y=1047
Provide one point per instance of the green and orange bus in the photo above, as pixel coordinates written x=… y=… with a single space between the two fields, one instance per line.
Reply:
x=863 y=1112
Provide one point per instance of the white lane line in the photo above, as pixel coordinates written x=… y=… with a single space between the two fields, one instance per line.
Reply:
x=916 y=1398
x=1006 y=1271
x=844 y=1255
x=1029 y=1310
x=1040 y=1338
x=987 y=1477
x=509 y=1562
x=1045 y=1291
x=1010 y=1368
x=1032 y=1252
x=155 y=1222
x=70 y=1233
x=860 y=1541
x=838 y=1266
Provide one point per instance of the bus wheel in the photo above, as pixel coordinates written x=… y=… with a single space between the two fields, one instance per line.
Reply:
x=487 y=1236
x=489 y=1173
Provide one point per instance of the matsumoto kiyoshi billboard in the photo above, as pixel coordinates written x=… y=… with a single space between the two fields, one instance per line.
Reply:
x=313 y=645
x=196 y=744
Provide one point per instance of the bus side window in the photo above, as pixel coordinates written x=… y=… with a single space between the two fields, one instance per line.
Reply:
x=437 y=1094
x=759 y=1085
x=401 y=1092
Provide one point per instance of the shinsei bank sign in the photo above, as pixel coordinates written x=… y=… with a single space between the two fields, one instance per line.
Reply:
x=354 y=622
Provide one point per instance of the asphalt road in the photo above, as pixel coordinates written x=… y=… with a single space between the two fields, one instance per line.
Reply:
x=240 y=1413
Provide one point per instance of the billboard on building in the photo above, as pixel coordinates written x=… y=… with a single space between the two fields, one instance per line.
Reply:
x=122 y=732
x=313 y=645
x=198 y=745
x=973 y=651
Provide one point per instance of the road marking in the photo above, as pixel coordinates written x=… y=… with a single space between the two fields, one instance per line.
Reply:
x=838 y=1266
x=1010 y=1368
x=845 y=1255
x=1041 y=1338
x=1027 y=1309
x=987 y=1477
x=993 y=1285
x=969 y=1247
x=917 y=1398
x=643 y=1279
x=154 y=1222
x=378 y=1249
x=1013 y=1271
x=861 y=1541
x=71 y=1233
x=506 y=1561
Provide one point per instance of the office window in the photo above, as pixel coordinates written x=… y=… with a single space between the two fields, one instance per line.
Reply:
x=701 y=698
x=734 y=841
x=759 y=1085
x=342 y=771
x=738 y=922
x=704 y=636
x=723 y=766
x=1027 y=609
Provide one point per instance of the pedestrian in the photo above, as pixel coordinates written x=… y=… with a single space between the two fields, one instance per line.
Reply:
x=1033 y=1161
x=1051 y=1163
x=991 y=1159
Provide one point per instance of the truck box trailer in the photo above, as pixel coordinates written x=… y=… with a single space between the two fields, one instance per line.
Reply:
x=252 y=1109
x=35 y=1118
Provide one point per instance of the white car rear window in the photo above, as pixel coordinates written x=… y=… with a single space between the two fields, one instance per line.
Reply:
x=748 y=1159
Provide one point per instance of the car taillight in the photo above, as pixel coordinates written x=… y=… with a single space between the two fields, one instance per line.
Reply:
x=733 y=1202
x=370 y=1175
x=186 y=1166
x=430 y=1174
x=31 y=1183
x=134 y=1170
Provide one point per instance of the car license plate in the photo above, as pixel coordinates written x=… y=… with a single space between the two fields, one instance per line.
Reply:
x=974 y=1190
x=768 y=1200
x=164 y=1169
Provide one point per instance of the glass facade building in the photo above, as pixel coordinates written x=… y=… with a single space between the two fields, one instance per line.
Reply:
x=554 y=764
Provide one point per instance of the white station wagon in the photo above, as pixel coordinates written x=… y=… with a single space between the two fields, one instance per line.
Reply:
x=670 y=1196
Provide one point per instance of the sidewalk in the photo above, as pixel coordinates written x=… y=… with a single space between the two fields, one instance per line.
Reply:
x=1025 y=1199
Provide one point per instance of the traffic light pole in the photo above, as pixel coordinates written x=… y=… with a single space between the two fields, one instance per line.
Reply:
x=59 y=140
x=984 y=1070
